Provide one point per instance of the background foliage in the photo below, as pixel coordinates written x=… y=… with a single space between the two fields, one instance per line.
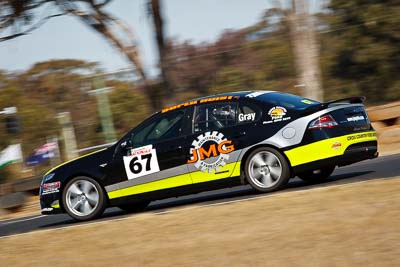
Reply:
x=359 y=55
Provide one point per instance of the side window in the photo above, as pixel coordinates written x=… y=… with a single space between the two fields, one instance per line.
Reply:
x=214 y=116
x=248 y=113
x=162 y=128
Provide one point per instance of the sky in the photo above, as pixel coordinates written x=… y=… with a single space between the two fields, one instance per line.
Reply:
x=67 y=37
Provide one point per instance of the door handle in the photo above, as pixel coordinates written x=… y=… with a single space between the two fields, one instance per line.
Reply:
x=170 y=148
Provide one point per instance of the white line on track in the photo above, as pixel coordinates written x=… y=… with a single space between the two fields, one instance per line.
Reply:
x=21 y=220
x=202 y=206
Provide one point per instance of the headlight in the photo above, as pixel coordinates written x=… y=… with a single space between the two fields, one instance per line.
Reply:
x=48 y=177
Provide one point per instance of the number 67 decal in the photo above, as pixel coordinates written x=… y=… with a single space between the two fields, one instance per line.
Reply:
x=141 y=161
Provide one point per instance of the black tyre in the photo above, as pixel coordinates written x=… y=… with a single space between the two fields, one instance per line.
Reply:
x=267 y=170
x=134 y=207
x=83 y=198
x=316 y=176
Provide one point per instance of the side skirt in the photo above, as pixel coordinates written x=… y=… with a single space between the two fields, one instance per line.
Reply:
x=177 y=191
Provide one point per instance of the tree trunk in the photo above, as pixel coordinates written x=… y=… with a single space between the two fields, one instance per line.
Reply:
x=166 y=81
x=306 y=50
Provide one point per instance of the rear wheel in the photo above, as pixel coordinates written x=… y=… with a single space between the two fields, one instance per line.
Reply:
x=267 y=170
x=318 y=175
x=134 y=207
x=83 y=198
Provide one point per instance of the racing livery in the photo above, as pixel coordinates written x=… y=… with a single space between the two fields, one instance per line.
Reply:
x=262 y=138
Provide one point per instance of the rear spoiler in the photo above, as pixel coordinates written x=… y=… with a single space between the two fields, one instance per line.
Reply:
x=350 y=100
x=321 y=106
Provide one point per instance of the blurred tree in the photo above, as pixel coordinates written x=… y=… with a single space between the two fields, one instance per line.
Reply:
x=155 y=8
x=18 y=18
x=129 y=107
x=55 y=86
x=62 y=85
x=361 y=48
x=258 y=57
x=255 y=58
x=36 y=122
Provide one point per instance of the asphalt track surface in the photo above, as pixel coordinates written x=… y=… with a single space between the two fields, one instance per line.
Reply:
x=379 y=168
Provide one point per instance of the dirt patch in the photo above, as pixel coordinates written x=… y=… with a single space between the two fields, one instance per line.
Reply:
x=351 y=225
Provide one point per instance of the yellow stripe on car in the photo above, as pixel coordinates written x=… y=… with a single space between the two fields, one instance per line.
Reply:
x=179 y=180
x=326 y=148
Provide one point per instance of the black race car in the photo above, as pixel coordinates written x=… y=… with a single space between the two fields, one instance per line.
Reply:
x=262 y=138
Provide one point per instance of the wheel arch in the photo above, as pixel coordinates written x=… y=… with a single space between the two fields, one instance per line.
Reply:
x=250 y=150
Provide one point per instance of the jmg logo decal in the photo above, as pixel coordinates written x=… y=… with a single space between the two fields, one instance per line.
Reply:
x=210 y=151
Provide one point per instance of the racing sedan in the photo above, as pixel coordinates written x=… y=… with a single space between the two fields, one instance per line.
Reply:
x=260 y=138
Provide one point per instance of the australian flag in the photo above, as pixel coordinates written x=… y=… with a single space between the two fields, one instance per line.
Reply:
x=42 y=154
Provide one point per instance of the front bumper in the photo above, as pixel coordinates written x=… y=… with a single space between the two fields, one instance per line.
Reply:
x=50 y=204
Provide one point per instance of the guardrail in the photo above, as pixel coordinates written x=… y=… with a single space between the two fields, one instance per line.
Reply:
x=386 y=121
x=14 y=195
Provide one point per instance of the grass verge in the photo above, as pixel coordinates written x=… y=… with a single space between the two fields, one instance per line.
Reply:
x=350 y=225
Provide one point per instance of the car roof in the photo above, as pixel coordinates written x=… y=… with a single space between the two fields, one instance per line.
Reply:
x=236 y=94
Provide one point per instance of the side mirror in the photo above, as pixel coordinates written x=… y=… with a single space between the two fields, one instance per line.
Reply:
x=127 y=144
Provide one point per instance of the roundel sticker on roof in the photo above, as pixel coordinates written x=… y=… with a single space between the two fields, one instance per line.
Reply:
x=210 y=151
x=307 y=101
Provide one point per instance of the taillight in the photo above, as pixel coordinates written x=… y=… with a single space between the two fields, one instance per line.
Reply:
x=326 y=121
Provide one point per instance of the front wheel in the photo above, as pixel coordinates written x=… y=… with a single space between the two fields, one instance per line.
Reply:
x=316 y=176
x=267 y=170
x=83 y=198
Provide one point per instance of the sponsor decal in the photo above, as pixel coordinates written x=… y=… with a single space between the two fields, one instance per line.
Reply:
x=356 y=118
x=308 y=102
x=336 y=145
x=205 y=100
x=255 y=94
x=210 y=151
x=219 y=98
x=141 y=161
x=277 y=114
x=50 y=188
x=247 y=117
x=362 y=127
x=360 y=136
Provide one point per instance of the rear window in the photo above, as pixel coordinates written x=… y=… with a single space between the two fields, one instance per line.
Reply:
x=287 y=100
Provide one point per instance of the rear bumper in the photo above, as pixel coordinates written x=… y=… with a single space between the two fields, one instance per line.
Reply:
x=354 y=153
x=359 y=152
